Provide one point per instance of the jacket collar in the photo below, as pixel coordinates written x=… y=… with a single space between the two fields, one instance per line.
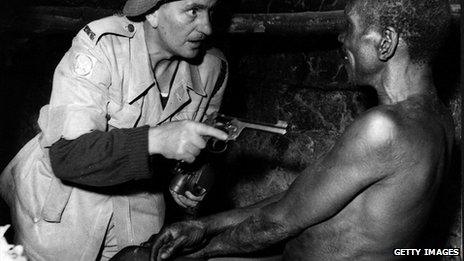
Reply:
x=141 y=75
x=188 y=75
x=187 y=78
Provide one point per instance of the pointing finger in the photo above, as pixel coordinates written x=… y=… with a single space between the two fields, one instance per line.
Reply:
x=205 y=130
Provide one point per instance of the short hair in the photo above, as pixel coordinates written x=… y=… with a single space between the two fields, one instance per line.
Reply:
x=423 y=24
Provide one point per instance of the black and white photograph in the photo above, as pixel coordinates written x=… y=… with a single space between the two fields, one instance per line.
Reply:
x=231 y=130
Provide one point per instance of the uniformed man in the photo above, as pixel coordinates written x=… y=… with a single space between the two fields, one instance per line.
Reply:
x=130 y=86
x=374 y=189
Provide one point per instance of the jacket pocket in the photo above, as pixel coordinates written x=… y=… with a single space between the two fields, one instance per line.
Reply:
x=37 y=191
x=55 y=201
x=31 y=186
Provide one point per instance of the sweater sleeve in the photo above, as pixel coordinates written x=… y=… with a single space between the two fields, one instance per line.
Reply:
x=102 y=158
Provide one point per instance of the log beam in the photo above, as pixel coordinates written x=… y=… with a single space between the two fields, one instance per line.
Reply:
x=48 y=20
x=288 y=23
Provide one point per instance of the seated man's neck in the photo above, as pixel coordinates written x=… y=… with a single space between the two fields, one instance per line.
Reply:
x=400 y=81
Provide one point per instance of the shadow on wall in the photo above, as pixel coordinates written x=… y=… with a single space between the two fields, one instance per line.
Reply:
x=446 y=67
x=444 y=227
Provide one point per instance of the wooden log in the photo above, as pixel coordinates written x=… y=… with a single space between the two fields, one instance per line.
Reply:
x=49 y=20
x=288 y=23
x=299 y=23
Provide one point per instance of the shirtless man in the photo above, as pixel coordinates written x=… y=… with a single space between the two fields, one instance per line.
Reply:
x=374 y=189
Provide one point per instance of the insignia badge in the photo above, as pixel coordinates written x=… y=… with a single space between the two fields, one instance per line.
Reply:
x=89 y=32
x=83 y=65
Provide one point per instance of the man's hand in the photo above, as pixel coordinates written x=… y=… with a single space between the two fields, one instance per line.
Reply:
x=181 y=140
x=188 y=200
x=182 y=237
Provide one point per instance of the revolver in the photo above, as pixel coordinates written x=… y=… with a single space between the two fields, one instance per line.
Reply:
x=198 y=181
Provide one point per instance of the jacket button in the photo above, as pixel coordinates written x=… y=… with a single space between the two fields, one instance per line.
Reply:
x=36 y=219
x=130 y=28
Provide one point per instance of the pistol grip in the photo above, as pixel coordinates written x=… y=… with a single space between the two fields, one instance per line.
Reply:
x=179 y=183
x=182 y=183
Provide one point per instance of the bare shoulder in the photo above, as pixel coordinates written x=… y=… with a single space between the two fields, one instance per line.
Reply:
x=371 y=146
x=377 y=127
x=399 y=130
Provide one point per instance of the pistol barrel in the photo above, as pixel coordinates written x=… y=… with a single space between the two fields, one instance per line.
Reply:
x=279 y=128
x=273 y=129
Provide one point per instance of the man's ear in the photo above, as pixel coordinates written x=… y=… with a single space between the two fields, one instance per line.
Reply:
x=152 y=18
x=388 y=43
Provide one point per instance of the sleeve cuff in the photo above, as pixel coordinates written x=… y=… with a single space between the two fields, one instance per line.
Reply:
x=137 y=150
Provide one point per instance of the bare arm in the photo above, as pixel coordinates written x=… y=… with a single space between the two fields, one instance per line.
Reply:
x=217 y=223
x=360 y=158
x=190 y=235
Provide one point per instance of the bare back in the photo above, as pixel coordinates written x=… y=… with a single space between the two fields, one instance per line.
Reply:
x=371 y=193
x=390 y=212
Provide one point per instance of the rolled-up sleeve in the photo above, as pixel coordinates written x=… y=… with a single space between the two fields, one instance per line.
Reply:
x=79 y=95
x=102 y=158
x=75 y=124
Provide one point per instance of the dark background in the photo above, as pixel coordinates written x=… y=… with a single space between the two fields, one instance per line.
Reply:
x=298 y=79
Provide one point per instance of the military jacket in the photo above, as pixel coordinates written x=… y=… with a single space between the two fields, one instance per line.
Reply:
x=104 y=81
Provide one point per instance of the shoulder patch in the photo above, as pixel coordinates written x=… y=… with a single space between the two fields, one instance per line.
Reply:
x=89 y=32
x=83 y=64
x=117 y=25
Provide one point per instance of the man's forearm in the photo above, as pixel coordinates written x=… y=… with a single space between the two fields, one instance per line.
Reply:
x=256 y=232
x=220 y=222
